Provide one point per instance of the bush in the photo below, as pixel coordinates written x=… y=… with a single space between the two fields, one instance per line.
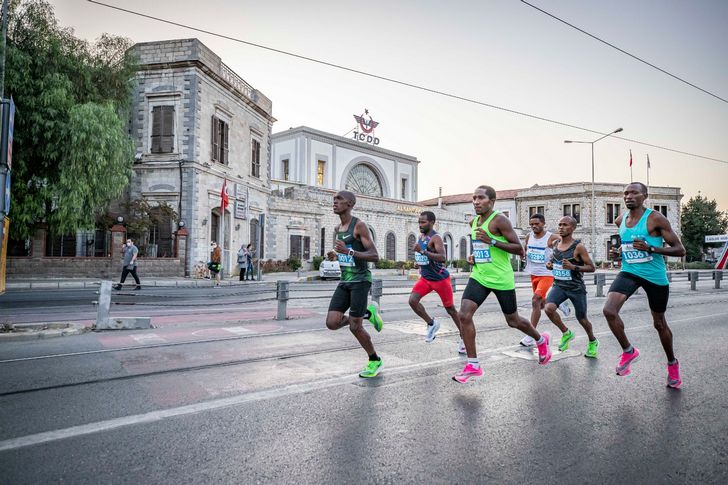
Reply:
x=405 y=265
x=272 y=266
x=384 y=264
x=699 y=265
x=316 y=262
x=294 y=263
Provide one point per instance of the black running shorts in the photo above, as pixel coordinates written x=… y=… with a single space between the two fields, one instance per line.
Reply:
x=352 y=296
x=559 y=295
x=657 y=295
x=477 y=293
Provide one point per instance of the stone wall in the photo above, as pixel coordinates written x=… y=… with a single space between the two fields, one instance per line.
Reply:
x=90 y=268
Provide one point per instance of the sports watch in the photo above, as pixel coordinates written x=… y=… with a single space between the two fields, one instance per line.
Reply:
x=351 y=253
x=492 y=242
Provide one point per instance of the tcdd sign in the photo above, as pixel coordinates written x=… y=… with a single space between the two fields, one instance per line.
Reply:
x=366 y=128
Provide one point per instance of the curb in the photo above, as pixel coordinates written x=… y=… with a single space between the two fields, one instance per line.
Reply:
x=46 y=331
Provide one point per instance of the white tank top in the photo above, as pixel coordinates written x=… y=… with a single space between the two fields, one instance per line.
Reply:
x=537 y=253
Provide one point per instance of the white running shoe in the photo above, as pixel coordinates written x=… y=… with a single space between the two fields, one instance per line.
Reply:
x=432 y=330
x=565 y=309
x=527 y=341
x=461 y=348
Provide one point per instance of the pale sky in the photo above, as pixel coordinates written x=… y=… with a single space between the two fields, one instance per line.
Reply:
x=501 y=52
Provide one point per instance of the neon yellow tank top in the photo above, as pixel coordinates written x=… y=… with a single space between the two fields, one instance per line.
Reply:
x=492 y=267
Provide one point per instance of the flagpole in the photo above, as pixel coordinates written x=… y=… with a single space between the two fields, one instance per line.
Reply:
x=631 y=179
x=648 y=173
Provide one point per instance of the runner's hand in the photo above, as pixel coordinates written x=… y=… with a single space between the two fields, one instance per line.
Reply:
x=568 y=264
x=481 y=235
x=549 y=265
x=340 y=247
x=640 y=245
x=417 y=248
x=471 y=259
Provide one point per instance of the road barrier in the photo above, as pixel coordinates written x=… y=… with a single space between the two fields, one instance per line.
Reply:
x=282 y=295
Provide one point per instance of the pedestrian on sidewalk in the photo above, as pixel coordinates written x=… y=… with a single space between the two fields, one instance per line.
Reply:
x=216 y=263
x=243 y=261
x=251 y=255
x=129 y=254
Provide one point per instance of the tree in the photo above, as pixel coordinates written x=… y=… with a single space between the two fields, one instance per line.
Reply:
x=700 y=217
x=72 y=154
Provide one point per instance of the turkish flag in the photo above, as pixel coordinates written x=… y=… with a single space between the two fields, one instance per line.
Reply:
x=630 y=158
x=225 y=200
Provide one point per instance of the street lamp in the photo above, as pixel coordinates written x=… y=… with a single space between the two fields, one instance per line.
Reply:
x=593 y=225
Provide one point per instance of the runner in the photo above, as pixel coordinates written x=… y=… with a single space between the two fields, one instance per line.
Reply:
x=538 y=251
x=569 y=260
x=643 y=233
x=493 y=238
x=430 y=256
x=355 y=248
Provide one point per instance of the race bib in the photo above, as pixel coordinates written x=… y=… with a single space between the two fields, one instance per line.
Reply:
x=536 y=255
x=481 y=252
x=560 y=273
x=634 y=256
x=345 y=259
x=421 y=259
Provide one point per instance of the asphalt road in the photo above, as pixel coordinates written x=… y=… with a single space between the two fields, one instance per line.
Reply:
x=279 y=402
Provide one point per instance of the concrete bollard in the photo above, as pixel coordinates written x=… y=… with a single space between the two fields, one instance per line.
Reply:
x=717 y=276
x=454 y=285
x=376 y=291
x=282 y=295
x=600 y=279
x=104 y=304
x=693 y=277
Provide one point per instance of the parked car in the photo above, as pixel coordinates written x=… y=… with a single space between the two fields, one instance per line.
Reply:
x=329 y=269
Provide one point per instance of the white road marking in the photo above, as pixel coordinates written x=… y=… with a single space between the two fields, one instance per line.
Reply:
x=154 y=416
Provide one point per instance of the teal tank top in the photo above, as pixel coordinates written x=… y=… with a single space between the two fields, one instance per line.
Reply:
x=649 y=266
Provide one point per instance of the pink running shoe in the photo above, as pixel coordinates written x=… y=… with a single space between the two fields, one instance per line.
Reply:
x=673 y=375
x=468 y=372
x=623 y=368
x=544 y=352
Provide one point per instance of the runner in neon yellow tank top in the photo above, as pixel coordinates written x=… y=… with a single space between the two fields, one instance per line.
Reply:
x=493 y=240
x=644 y=233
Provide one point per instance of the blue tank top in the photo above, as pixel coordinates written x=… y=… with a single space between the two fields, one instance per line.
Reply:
x=429 y=269
x=646 y=265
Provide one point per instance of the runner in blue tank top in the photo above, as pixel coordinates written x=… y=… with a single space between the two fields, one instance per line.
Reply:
x=643 y=233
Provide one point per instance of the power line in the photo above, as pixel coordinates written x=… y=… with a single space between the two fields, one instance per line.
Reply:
x=396 y=81
x=624 y=51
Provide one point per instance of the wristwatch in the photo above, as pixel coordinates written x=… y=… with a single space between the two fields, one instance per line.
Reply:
x=492 y=242
x=351 y=253
x=651 y=249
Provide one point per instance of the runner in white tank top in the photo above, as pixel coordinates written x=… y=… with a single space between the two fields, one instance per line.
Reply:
x=538 y=250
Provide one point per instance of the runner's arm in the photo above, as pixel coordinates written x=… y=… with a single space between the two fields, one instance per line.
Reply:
x=370 y=251
x=674 y=245
x=525 y=247
x=583 y=254
x=513 y=245
x=439 y=253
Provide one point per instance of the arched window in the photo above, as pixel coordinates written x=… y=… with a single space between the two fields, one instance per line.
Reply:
x=363 y=180
x=391 y=246
x=161 y=240
x=463 y=248
x=447 y=242
x=411 y=240
x=374 y=235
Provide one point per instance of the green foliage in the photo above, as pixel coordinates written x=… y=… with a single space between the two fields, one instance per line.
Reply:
x=700 y=217
x=72 y=154
x=699 y=265
x=317 y=260
x=385 y=264
x=405 y=265
x=293 y=263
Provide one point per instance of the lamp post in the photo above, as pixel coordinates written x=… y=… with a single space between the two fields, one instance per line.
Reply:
x=593 y=219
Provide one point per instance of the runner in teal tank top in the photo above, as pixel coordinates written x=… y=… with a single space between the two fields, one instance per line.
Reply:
x=355 y=248
x=493 y=241
x=644 y=234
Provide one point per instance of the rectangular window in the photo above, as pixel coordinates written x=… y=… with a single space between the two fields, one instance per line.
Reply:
x=538 y=209
x=613 y=212
x=323 y=242
x=255 y=158
x=660 y=208
x=301 y=247
x=320 y=172
x=162 y=129
x=284 y=169
x=404 y=188
x=219 y=141
x=573 y=210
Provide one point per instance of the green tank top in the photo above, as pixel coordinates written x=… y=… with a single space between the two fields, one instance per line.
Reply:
x=352 y=269
x=492 y=267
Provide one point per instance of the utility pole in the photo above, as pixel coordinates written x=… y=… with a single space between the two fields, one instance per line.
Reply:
x=7 y=140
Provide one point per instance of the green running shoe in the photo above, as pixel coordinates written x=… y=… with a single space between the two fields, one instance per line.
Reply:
x=565 y=339
x=591 y=349
x=372 y=369
x=374 y=317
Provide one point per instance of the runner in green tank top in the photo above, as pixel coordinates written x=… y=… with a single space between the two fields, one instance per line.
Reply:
x=354 y=247
x=493 y=240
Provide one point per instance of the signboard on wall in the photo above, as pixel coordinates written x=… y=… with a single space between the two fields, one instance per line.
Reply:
x=239 y=191
x=239 y=212
x=365 y=131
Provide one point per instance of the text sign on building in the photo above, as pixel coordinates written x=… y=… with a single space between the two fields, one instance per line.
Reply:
x=365 y=132
x=715 y=238
x=239 y=191
x=239 y=209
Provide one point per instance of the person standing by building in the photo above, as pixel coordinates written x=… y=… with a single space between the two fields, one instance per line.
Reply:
x=216 y=262
x=493 y=239
x=430 y=255
x=538 y=251
x=242 y=261
x=129 y=254
x=644 y=233
x=355 y=248
x=250 y=272
x=569 y=261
